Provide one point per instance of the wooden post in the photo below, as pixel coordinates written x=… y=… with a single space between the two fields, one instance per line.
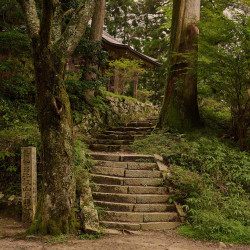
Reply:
x=28 y=183
x=136 y=79
x=116 y=81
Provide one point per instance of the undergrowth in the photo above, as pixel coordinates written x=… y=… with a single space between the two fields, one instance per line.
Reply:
x=210 y=176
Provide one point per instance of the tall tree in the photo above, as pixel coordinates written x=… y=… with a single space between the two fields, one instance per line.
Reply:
x=96 y=34
x=51 y=47
x=180 y=108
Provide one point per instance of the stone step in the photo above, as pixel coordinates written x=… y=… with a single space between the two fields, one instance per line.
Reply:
x=113 y=180
x=143 y=174
x=138 y=216
x=129 y=207
x=131 y=129
x=111 y=164
x=110 y=142
x=131 y=189
x=125 y=172
x=127 y=165
x=108 y=171
x=137 y=158
x=132 y=133
x=131 y=198
x=141 y=124
x=120 y=137
x=140 y=226
x=142 y=165
x=108 y=148
x=122 y=157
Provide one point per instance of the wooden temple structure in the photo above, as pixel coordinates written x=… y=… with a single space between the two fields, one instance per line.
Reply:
x=118 y=50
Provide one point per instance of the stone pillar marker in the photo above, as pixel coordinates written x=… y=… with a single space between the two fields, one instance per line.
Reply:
x=28 y=183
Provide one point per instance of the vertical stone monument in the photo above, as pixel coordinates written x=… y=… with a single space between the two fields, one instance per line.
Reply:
x=28 y=183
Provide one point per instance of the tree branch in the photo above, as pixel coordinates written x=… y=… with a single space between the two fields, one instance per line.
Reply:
x=56 y=31
x=31 y=17
x=47 y=19
x=66 y=45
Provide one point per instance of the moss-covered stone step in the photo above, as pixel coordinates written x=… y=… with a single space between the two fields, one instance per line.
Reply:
x=139 y=132
x=120 y=137
x=110 y=142
x=129 y=207
x=108 y=148
x=122 y=157
x=133 y=226
x=127 y=165
x=139 y=216
x=126 y=173
x=104 y=188
x=143 y=165
x=108 y=171
x=141 y=124
x=113 y=180
x=131 y=198
x=143 y=174
x=136 y=129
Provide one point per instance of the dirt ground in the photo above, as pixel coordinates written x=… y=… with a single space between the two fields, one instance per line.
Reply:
x=149 y=240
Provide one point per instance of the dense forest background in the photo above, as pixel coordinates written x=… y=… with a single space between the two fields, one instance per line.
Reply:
x=211 y=177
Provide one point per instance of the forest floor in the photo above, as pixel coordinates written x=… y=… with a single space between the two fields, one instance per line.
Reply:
x=157 y=240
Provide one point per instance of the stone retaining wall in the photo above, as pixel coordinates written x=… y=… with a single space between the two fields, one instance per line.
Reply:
x=117 y=110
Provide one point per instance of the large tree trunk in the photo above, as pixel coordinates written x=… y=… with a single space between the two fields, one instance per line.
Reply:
x=54 y=213
x=98 y=21
x=180 y=108
x=96 y=33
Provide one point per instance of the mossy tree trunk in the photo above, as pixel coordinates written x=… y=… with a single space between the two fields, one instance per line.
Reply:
x=180 y=108
x=96 y=33
x=54 y=213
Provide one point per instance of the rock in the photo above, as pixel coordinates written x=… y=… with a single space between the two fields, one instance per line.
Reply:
x=89 y=214
x=1 y=195
x=12 y=197
x=90 y=219
x=222 y=245
x=112 y=231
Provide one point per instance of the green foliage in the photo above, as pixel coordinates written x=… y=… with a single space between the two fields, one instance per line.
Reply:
x=185 y=182
x=141 y=24
x=224 y=63
x=15 y=43
x=144 y=95
x=62 y=238
x=85 y=236
x=90 y=56
x=11 y=140
x=125 y=67
x=83 y=166
x=154 y=80
x=11 y=16
x=211 y=177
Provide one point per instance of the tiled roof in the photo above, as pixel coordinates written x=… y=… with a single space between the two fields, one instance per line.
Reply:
x=112 y=41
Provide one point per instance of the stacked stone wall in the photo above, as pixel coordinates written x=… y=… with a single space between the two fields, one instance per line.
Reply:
x=116 y=111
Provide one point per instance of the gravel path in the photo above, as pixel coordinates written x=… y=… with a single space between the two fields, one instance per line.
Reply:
x=149 y=240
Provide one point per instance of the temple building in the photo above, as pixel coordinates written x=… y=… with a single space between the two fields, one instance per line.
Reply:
x=118 y=50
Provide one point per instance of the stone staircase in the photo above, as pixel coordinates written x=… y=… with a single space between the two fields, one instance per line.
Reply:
x=119 y=138
x=130 y=188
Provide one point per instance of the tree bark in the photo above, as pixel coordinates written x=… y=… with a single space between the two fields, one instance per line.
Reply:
x=135 y=86
x=98 y=21
x=180 y=108
x=54 y=213
x=96 y=33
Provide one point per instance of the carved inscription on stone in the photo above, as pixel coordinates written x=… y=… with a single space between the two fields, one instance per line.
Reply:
x=29 y=183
